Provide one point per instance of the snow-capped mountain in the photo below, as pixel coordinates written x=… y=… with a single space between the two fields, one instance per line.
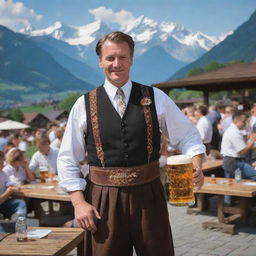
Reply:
x=147 y=33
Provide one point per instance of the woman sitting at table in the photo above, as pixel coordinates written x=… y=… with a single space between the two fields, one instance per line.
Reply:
x=9 y=206
x=17 y=168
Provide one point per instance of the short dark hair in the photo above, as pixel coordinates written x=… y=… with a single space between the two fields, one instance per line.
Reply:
x=44 y=139
x=117 y=37
x=238 y=114
x=202 y=109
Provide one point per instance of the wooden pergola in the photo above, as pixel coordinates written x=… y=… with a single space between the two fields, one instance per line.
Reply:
x=239 y=76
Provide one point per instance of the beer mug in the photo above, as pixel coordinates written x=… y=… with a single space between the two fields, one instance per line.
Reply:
x=44 y=173
x=180 y=172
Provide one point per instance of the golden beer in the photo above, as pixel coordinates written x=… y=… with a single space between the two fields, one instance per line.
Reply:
x=44 y=174
x=180 y=172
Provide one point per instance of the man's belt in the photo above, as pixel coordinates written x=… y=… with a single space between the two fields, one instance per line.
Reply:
x=124 y=176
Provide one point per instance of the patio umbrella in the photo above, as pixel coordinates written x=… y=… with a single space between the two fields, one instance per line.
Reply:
x=12 y=125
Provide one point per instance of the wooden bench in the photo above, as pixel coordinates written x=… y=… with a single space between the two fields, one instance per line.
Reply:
x=58 y=243
x=245 y=190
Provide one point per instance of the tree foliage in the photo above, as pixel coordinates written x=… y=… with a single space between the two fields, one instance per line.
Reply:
x=214 y=65
x=68 y=102
x=16 y=115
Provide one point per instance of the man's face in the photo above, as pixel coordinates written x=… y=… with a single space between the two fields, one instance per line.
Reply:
x=116 y=62
x=197 y=114
x=241 y=122
x=43 y=147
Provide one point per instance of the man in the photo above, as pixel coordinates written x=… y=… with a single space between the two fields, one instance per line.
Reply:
x=45 y=156
x=204 y=126
x=124 y=204
x=234 y=148
x=214 y=117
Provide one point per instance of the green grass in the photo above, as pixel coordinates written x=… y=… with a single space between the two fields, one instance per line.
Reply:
x=37 y=108
x=31 y=150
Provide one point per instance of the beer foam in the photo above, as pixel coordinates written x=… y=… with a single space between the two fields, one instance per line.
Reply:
x=179 y=159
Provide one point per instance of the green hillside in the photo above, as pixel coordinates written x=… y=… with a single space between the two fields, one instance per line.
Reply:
x=241 y=45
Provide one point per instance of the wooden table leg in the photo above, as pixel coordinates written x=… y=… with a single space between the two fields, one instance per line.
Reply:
x=244 y=204
x=81 y=249
x=220 y=225
x=220 y=207
x=201 y=204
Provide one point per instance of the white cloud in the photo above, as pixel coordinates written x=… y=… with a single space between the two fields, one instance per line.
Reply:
x=15 y=15
x=108 y=16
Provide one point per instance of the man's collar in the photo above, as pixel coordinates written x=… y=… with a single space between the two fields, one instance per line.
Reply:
x=111 y=89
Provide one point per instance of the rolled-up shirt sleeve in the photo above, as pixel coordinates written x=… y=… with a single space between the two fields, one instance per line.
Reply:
x=182 y=133
x=72 y=150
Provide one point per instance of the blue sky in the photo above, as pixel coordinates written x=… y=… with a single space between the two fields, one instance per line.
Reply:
x=213 y=17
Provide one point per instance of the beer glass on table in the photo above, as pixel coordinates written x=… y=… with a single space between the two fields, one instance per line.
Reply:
x=44 y=173
x=180 y=173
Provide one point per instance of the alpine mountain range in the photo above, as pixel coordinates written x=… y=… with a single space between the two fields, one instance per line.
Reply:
x=48 y=63
x=160 y=48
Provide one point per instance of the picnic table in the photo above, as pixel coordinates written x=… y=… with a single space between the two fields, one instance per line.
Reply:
x=244 y=190
x=47 y=190
x=50 y=192
x=57 y=243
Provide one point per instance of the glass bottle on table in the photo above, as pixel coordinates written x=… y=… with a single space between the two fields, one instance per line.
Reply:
x=21 y=229
x=238 y=175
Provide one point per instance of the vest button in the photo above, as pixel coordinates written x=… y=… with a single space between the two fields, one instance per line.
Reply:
x=126 y=156
x=123 y=124
x=126 y=145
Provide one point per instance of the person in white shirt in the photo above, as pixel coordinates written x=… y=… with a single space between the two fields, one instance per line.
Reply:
x=204 y=126
x=8 y=205
x=59 y=135
x=234 y=148
x=17 y=168
x=115 y=128
x=52 y=131
x=45 y=156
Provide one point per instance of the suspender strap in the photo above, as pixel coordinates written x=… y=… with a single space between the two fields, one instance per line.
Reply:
x=146 y=101
x=95 y=125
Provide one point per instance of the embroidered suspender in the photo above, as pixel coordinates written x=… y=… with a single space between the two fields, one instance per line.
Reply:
x=95 y=126
x=145 y=102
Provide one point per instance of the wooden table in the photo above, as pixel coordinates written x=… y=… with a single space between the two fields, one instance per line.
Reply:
x=47 y=191
x=225 y=186
x=41 y=192
x=212 y=165
x=58 y=243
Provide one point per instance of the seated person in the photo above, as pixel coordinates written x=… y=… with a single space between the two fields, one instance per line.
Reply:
x=204 y=126
x=17 y=168
x=45 y=156
x=234 y=148
x=9 y=206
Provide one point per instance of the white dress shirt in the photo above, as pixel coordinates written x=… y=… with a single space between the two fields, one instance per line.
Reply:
x=204 y=127
x=183 y=134
x=16 y=178
x=4 y=180
x=232 y=142
x=49 y=160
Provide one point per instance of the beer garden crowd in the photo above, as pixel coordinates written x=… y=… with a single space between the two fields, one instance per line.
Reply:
x=212 y=122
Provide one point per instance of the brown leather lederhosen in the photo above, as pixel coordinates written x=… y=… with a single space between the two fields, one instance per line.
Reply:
x=132 y=204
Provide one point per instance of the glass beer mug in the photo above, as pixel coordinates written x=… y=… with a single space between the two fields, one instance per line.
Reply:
x=180 y=172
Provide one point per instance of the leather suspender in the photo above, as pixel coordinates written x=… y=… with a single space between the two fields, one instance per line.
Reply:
x=95 y=125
